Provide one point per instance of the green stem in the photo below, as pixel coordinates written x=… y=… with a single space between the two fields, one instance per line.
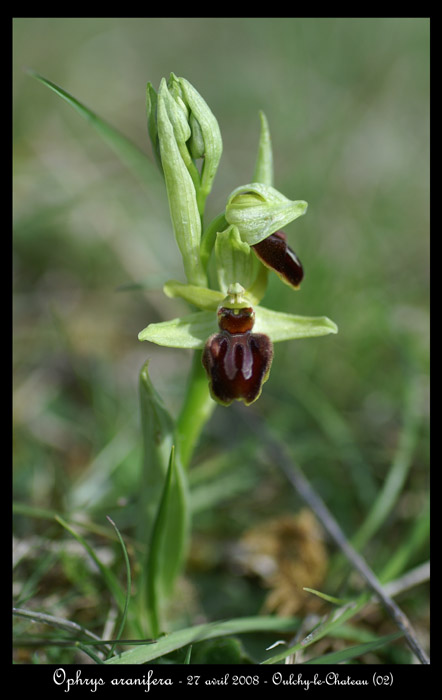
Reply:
x=195 y=412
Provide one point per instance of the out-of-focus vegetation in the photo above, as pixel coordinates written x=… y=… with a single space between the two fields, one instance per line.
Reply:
x=348 y=106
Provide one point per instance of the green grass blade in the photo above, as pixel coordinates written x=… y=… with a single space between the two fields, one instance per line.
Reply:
x=181 y=638
x=168 y=543
x=154 y=560
x=338 y=657
x=336 y=619
x=418 y=534
x=157 y=430
x=325 y=596
x=110 y=580
x=397 y=475
x=128 y=586
x=130 y=154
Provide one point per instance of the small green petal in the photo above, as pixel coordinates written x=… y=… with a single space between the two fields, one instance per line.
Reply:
x=202 y=297
x=282 y=326
x=189 y=331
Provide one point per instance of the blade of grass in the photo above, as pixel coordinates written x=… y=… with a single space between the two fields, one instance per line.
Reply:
x=338 y=657
x=181 y=638
x=156 y=553
x=110 y=580
x=130 y=154
x=128 y=587
x=325 y=596
x=334 y=624
x=419 y=534
x=157 y=430
x=59 y=623
x=334 y=620
x=337 y=430
x=398 y=472
x=168 y=542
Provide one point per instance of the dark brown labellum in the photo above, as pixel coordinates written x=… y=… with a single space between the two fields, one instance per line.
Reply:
x=274 y=252
x=236 y=360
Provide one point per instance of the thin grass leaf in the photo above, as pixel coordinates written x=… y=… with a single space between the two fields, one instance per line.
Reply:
x=154 y=561
x=157 y=429
x=344 y=655
x=397 y=474
x=59 y=623
x=128 y=587
x=340 y=434
x=325 y=596
x=336 y=619
x=92 y=655
x=168 y=542
x=417 y=536
x=130 y=154
x=162 y=563
x=181 y=638
x=110 y=580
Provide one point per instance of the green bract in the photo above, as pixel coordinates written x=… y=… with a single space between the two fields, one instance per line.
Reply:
x=258 y=210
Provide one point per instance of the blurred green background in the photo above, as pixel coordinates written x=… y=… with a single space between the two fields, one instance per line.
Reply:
x=347 y=101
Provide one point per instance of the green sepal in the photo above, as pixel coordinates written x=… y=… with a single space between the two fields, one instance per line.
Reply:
x=258 y=210
x=264 y=162
x=196 y=142
x=151 y=109
x=193 y=330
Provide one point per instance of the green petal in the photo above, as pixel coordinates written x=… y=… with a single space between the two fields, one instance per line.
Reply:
x=201 y=297
x=192 y=331
x=189 y=331
x=282 y=326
